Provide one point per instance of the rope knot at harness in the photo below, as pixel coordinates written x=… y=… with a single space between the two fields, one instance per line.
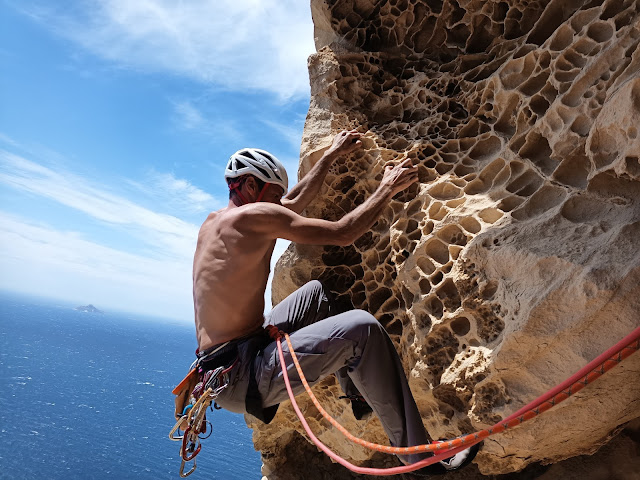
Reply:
x=274 y=332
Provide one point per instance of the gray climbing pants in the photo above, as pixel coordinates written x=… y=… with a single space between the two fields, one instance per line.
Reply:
x=353 y=345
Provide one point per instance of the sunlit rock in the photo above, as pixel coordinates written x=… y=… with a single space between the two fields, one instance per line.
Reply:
x=515 y=259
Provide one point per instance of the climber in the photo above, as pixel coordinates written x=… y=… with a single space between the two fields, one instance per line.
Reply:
x=230 y=271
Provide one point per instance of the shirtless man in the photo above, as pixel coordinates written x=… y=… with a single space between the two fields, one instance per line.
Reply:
x=230 y=271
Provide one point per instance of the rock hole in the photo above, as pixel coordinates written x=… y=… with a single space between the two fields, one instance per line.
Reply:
x=437 y=278
x=542 y=201
x=425 y=286
x=445 y=191
x=600 y=31
x=426 y=266
x=525 y=184
x=536 y=149
x=509 y=203
x=581 y=125
x=573 y=171
x=460 y=326
x=562 y=38
x=434 y=307
x=632 y=165
x=428 y=228
x=490 y=215
x=437 y=251
x=489 y=290
x=377 y=298
x=452 y=235
x=448 y=293
x=485 y=149
x=470 y=224
x=539 y=105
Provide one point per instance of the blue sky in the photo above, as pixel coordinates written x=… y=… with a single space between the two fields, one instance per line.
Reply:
x=116 y=120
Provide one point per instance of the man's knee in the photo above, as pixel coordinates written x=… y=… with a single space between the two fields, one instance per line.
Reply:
x=322 y=294
x=362 y=322
x=314 y=285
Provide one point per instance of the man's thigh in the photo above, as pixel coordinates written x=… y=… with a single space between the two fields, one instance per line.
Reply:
x=307 y=305
x=322 y=348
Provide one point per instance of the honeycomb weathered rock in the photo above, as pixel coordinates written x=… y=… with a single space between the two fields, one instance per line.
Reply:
x=515 y=259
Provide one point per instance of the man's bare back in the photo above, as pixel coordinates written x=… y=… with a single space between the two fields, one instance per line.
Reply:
x=230 y=272
x=235 y=244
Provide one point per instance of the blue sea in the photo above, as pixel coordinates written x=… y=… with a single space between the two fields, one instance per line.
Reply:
x=88 y=396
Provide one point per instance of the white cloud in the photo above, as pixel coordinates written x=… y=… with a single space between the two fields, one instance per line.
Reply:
x=176 y=195
x=40 y=259
x=292 y=133
x=170 y=234
x=236 y=44
x=57 y=261
x=188 y=117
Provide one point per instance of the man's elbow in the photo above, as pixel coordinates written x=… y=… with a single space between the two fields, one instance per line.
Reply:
x=343 y=237
x=343 y=242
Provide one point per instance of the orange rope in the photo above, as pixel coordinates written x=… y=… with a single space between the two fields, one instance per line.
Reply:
x=577 y=382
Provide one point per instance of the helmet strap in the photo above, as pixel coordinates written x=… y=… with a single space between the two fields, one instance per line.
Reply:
x=235 y=187
x=262 y=192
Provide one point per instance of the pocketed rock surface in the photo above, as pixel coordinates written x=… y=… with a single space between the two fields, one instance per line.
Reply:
x=516 y=258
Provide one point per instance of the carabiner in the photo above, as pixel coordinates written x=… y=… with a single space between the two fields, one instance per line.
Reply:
x=185 y=475
x=195 y=442
x=175 y=428
x=205 y=430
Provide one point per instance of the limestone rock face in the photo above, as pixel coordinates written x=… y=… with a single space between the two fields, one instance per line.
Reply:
x=516 y=258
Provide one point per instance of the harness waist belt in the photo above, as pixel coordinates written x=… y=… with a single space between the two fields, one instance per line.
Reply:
x=223 y=356
x=226 y=354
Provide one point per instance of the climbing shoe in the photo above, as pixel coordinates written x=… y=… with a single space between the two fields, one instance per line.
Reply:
x=359 y=406
x=458 y=461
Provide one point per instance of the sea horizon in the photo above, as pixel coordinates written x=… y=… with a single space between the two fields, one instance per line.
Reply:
x=88 y=395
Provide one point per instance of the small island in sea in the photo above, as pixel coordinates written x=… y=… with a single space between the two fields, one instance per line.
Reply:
x=88 y=308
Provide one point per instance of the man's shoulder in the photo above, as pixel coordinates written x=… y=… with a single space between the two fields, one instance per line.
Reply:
x=255 y=211
x=242 y=218
x=260 y=219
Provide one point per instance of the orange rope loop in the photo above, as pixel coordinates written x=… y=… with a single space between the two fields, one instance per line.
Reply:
x=574 y=384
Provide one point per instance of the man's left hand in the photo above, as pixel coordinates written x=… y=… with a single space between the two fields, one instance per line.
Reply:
x=345 y=142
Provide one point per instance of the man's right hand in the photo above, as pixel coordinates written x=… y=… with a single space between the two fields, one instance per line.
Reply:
x=397 y=178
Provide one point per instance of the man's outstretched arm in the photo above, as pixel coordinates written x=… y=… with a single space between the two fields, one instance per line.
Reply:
x=308 y=187
x=274 y=221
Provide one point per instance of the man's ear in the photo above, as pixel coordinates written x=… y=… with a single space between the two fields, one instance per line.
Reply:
x=251 y=184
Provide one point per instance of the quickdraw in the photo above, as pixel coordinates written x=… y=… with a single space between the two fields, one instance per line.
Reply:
x=194 y=416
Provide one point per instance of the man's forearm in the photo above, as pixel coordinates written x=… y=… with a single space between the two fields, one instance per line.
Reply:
x=360 y=220
x=308 y=187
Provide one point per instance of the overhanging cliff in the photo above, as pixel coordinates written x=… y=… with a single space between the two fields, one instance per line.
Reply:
x=515 y=259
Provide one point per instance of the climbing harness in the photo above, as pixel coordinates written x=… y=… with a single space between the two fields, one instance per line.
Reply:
x=586 y=375
x=194 y=415
x=208 y=377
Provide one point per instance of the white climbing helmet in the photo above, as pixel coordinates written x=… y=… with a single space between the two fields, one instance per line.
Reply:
x=252 y=161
